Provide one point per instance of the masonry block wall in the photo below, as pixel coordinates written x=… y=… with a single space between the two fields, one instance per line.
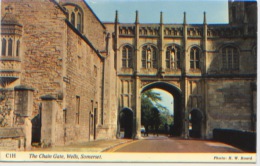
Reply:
x=6 y=107
x=247 y=55
x=107 y=126
x=83 y=91
x=12 y=144
x=44 y=29
x=59 y=60
x=229 y=104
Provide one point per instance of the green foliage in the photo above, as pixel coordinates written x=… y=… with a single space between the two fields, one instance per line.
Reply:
x=153 y=113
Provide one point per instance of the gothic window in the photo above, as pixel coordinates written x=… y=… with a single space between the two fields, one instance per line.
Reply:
x=144 y=60
x=73 y=18
x=195 y=58
x=149 y=57
x=10 y=47
x=145 y=32
x=230 y=58
x=76 y=16
x=127 y=55
x=173 y=57
x=79 y=22
x=154 y=58
x=3 y=47
x=170 y=58
x=18 y=48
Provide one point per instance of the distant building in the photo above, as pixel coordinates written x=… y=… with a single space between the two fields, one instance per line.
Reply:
x=66 y=77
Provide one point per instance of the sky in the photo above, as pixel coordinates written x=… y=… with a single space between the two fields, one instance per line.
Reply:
x=167 y=99
x=149 y=10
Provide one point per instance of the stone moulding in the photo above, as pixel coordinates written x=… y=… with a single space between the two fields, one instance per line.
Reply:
x=23 y=87
x=48 y=97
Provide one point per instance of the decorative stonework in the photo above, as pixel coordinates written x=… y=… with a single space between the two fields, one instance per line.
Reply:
x=144 y=83
x=5 y=109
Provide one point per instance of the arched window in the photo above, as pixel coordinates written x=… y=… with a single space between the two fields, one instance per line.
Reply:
x=76 y=16
x=73 y=18
x=230 y=58
x=10 y=47
x=18 y=48
x=173 y=57
x=149 y=57
x=79 y=22
x=194 y=58
x=127 y=55
x=3 y=47
x=170 y=58
x=154 y=58
x=144 y=59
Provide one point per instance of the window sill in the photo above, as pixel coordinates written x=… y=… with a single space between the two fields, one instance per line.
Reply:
x=10 y=58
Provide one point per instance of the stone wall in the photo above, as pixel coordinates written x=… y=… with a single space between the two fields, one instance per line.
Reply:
x=42 y=45
x=245 y=51
x=57 y=60
x=228 y=104
x=6 y=107
x=83 y=87
x=108 y=126
x=12 y=144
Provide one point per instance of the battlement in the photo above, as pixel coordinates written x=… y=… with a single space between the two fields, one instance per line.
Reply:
x=193 y=30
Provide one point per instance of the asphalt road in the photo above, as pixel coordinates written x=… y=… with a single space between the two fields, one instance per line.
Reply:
x=165 y=144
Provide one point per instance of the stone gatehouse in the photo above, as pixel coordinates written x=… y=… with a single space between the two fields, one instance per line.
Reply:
x=66 y=76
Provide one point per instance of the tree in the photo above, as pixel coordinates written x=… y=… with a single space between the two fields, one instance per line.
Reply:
x=149 y=100
x=154 y=114
x=145 y=110
x=155 y=120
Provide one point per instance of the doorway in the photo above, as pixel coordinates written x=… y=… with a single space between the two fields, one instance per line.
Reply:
x=195 y=118
x=126 y=123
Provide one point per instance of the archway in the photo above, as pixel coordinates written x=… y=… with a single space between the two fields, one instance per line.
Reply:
x=126 y=122
x=195 y=118
x=177 y=127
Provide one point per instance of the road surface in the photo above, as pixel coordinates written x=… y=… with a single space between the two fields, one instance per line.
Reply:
x=165 y=144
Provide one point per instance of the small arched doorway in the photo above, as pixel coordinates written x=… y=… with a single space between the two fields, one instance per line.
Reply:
x=195 y=125
x=126 y=122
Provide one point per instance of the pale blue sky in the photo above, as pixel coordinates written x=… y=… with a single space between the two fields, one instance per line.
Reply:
x=167 y=99
x=149 y=10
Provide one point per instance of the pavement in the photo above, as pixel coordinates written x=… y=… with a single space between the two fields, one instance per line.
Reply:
x=164 y=144
x=172 y=144
x=91 y=146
